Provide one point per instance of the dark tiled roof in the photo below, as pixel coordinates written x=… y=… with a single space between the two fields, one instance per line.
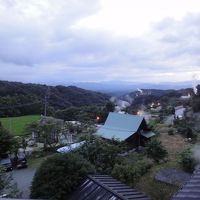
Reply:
x=103 y=187
x=191 y=190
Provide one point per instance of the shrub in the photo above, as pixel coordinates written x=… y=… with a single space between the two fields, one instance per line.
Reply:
x=170 y=132
x=59 y=175
x=129 y=172
x=155 y=150
x=187 y=161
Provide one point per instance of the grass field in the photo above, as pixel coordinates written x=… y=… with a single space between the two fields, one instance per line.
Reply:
x=16 y=124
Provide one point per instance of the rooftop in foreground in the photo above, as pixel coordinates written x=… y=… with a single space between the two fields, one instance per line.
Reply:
x=103 y=187
x=191 y=190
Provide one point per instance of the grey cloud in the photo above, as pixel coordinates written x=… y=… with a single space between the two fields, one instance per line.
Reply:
x=44 y=46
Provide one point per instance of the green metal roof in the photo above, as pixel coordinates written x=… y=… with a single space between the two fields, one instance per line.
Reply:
x=148 y=134
x=120 y=126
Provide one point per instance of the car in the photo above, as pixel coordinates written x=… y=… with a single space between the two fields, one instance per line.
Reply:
x=7 y=164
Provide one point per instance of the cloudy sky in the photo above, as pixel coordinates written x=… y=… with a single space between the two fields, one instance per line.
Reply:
x=61 y=41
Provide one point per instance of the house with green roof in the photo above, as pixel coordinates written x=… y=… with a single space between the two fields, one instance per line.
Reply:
x=125 y=127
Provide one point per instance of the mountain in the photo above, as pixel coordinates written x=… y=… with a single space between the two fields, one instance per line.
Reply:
x=122 y=87
x=21 y=99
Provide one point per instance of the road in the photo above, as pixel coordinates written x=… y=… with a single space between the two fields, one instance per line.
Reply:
x=23 y=178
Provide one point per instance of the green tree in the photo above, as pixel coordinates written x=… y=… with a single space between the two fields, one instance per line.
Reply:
x=101 y=153
x=110 y=107
x=6 y=140
x=59 y=175
x=46 y=133
x=155 y=150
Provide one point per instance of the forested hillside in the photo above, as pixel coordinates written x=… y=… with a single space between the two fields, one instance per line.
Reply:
x=22 y=99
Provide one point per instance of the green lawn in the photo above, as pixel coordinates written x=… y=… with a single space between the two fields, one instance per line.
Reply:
x=16 y=124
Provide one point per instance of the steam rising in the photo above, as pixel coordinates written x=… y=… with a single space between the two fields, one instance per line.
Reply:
x=195 y=83
x=139 y=90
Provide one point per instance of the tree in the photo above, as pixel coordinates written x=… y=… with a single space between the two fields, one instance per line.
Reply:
x=101 y=153
x=47 y=132
x=110 y=107
x=59 y=175
x=6 y=140
x=155 y=150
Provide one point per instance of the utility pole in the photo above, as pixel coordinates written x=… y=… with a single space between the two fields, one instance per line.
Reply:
x=45 y=106
x=47 y=95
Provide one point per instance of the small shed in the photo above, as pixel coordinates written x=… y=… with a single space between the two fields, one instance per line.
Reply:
x=126 y=127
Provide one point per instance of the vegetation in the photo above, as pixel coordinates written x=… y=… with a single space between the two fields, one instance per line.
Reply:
x=63 y=173
x=101 y=153
x=156 y=189
x=16 y=125
x=46 y=132
x=185 y=128
x=155 y=150
x=130 y=169
x=3 y=180
x=187 y=161
x=86 y=113
x=171 y=132
x=7 y=185
x=32 y=98
x=6 y=141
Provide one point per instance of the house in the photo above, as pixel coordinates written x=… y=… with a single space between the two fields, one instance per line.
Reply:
x=179 y=112
x=125 y=127
x=105 y=187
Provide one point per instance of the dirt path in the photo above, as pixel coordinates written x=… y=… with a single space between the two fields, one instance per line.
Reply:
x=173 y=143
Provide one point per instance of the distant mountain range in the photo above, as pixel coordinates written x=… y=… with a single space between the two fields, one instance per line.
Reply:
x=126 y=87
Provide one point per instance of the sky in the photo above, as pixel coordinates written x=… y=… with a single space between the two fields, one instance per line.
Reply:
x=62 y=41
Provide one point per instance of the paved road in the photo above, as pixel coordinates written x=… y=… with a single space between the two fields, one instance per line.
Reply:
x=23 y=178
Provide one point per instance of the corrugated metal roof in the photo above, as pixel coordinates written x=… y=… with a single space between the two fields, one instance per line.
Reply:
x=191 y=190
x=148 y=134
x=104 y=187
x=120 y=126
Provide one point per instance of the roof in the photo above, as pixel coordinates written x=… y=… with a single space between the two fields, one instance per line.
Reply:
x=148 y=134
x=191 y=190
x=120 y=126
x=70 y=147
x=105 y=187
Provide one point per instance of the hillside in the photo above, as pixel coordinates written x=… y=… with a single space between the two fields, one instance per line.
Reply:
x=32 y=96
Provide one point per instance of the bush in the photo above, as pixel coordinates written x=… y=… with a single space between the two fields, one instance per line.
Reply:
x=170 y=132
x=59 y=175
x=187 y=161
x=155 y=150
x=129 y=171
